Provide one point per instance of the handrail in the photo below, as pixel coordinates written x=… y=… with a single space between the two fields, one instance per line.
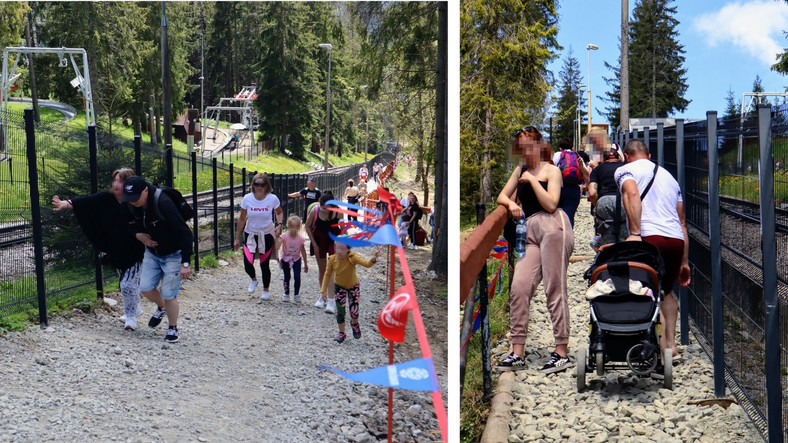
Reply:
x=476 y=248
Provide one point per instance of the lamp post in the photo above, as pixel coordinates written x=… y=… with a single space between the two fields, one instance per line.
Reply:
x=577 y=114
x=590 y=47
x=328 y=47
x=202 y=86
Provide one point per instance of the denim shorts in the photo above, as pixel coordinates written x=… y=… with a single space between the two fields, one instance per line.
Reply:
x=166 y=270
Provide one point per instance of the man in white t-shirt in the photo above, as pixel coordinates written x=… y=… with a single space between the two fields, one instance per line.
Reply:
x=659 y=220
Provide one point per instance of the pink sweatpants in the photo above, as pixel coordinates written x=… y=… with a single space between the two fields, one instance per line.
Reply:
x=550 y=244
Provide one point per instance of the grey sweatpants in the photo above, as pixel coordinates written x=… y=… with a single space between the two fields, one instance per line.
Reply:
x=550 y=244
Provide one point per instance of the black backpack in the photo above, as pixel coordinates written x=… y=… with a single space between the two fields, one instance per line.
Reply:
x=184 y=209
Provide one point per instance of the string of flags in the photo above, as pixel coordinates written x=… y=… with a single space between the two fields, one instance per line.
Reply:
x=377 y=229
x=499 y=251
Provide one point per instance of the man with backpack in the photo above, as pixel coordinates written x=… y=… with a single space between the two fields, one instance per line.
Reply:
x=574 y=173
x=168 y=247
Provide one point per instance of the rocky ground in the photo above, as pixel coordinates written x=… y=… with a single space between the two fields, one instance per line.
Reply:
x=242 y=371
x=618 y=406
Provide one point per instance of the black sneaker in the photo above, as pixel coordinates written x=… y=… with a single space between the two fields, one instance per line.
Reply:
x=512 y=362
x=172 y=335
x=658 y=373
x=156 y=318
x=556 y=363
x=340 y=337
x=356 y=330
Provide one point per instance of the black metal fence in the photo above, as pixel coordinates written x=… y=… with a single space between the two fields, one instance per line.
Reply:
x=45 y=256
x=738 y=299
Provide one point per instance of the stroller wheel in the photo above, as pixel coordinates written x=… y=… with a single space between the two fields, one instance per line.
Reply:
x=640 y=365
x=667 y=361
x=581 y=369
x=600 y=363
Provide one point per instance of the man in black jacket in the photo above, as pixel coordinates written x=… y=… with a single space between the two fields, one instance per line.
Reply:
x=168 y=249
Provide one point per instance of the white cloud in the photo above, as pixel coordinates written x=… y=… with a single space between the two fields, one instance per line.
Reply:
x=755 y=27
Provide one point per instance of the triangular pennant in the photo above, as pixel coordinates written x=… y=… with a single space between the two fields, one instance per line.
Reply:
x=414 y=375
x=394 y=316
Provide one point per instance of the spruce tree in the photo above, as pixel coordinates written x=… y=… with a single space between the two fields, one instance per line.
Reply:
x=570 y=98
x=657 y=77
x=731 y=108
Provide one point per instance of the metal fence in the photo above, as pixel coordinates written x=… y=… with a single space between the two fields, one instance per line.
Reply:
x=46 y=258
x=738 y=299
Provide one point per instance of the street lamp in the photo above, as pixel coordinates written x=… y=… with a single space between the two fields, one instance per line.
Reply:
x=590 y=47
x=579 y=137
x=328 y=47
x=202 y=86
x=366 y=121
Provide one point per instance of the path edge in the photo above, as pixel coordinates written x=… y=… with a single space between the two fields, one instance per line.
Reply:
x=497 y=427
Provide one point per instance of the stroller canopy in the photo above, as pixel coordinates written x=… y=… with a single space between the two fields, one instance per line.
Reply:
x=636 y=251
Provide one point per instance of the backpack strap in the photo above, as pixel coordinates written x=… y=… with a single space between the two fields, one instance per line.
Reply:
x=156 y=199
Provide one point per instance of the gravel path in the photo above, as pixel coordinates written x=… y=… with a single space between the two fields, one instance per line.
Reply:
x=242 y=371
x=618 y=406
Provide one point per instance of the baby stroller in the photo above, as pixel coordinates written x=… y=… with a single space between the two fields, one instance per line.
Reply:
x=624 y=294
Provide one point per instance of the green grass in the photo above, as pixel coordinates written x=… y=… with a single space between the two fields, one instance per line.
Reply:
x=209 y=261
x=474 y=407
x=47 y=115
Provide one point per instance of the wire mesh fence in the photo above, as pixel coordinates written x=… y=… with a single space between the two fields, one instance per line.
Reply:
x=70 y=263
x=743 y=299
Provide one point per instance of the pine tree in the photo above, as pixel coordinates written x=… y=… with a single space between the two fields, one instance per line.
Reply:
x=731 y=108
x=570 y=99
x=657 y=78
x=757 y=87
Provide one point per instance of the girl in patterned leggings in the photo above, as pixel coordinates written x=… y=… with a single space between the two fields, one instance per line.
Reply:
x=342 y=265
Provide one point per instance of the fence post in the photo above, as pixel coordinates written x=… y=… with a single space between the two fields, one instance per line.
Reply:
x=286 y=198
x=232 y=206
x=196 y=217
x=682 y=174
x=168 y=160
x=481 y=286
x=215 y=210
x=647 y=138
x=243 y=180
x=93 y=150
x=138 y=154
x=661 y=144
x=10 y=168
x=716 y=257
x=769 y=248
x=35 y=212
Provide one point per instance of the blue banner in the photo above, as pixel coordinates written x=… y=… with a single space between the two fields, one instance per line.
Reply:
x=414 y=375
x=385 y=235
x=352 y=206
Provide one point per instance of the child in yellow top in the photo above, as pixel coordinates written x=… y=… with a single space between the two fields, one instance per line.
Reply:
x=342 y=265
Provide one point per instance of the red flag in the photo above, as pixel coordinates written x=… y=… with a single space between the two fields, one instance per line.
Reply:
x=394 y=316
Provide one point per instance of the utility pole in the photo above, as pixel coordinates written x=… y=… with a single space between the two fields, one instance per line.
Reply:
x=165 y=89
x=624 y=116
x=33 y=88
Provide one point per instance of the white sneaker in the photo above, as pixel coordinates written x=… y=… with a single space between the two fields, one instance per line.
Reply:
x=320 y=304
x=286 y=297
x=296 y=298
x=252 y=285
x=131 y=324
x=139 y=312
x=331 y=306
x=265 y=295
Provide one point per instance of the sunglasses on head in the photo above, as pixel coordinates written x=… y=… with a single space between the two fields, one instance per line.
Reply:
x=525 y=129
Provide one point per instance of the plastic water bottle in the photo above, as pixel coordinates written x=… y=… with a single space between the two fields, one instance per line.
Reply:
x=521 y=234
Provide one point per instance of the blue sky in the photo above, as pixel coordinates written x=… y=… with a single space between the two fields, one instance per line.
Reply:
x=727 y=44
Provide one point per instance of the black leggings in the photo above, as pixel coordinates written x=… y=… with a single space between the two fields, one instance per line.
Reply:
x=352 y=200
x=268 y=239
x=412 y=228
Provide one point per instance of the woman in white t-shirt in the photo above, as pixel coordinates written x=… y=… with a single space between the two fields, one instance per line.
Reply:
x=259 y=227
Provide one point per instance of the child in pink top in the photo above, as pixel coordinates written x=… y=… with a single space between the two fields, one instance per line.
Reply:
x=292 y=251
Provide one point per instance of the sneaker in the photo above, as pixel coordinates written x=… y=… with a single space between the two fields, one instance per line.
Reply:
x=172 y=335
x=286 y=297
x=131 y=324
x=658 y=373
x=331 y=306
x=512 y=362
x=340 y=337
x=296 y=298
x=320 y=303
x=156 y=318
x=252 y=286
x=265 y=295
x=139 y=312
x=556 y=363
x=356 y=330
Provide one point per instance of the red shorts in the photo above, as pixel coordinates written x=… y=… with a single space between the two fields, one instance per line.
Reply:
x=672 y=252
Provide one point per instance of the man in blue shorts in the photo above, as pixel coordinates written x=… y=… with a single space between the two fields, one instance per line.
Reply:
x=168 y=248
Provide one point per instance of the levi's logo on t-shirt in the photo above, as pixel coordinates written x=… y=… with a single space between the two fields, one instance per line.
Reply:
x=259 y=209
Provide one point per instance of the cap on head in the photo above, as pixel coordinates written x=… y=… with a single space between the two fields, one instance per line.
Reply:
x=611 y=154
x=133 y=187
